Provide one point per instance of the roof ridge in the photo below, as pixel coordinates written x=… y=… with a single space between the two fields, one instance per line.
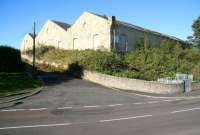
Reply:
x=61 y=24
x=145 y=29
x=102 y=16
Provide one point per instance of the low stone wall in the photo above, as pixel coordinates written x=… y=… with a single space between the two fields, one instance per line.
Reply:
x=195 y=86
x=133 y=84
x=127 y=83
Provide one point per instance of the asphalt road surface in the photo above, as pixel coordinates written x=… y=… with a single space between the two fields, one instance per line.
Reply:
x=69 y=106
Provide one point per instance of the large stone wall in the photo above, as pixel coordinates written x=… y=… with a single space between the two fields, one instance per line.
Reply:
x=133 y=84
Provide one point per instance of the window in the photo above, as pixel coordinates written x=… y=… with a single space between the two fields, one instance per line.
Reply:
x=47 y=31
x=75 y=43
x=96 y=41
x=84 y=24
x=122 y=46
x=59 y=44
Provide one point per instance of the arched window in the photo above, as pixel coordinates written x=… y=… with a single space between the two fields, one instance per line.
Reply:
x=47 y=30
x=96 y=41
x=75 y=43
x=59 y=44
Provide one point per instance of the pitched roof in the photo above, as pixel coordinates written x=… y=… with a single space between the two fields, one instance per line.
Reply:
x=147 y=30
x=62 y=24
x=129 y=25
x=102 y=16
x=30 y=34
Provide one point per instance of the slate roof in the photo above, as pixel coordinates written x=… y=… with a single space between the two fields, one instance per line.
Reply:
x=30 y=34
x=102 y=16
x=125 y=24
x=62 y=24
x=129 y=25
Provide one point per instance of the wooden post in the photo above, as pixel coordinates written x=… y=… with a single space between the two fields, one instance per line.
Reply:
x=34 y=45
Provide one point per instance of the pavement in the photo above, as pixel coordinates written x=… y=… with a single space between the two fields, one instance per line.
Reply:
x=73 y=106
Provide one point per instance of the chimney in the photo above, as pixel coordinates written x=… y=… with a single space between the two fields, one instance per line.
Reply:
x=113 y=32
x=113 y=21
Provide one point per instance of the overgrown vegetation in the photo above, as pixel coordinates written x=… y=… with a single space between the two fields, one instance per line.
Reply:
x=13 y=79
x=11 y=83
x=164 y=60
x=10 y=60
x=195 y=38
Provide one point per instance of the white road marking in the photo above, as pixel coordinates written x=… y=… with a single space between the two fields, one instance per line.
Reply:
x=127 y=118
x=168 y=100
x=156 y=97
x=62 y=108
x=35 y=126
x=38 y=109
x=33 y=109
x=153 y=102
x=13 y=110
x=112 y=105
x=186 y=110
x=138 y=103
x=92 y=106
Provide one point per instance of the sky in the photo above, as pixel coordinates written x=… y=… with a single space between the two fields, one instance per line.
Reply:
x=172 y=17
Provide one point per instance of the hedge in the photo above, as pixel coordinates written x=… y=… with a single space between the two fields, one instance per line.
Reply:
x=164 y=60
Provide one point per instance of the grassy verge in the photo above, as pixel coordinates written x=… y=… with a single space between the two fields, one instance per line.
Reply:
x=13 y=83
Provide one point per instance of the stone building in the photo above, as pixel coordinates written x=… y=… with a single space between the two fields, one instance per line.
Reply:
x=53 y=33
x=27 y=42
x=93 y=31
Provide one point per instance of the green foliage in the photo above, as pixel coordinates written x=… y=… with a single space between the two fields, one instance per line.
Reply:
x=196 y=28
x=11 y=83
x=195 y=39
x=164 y=60
x=10 y=60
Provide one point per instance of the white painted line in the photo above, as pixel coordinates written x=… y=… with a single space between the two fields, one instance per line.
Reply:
x=35 y=126
x=156 y=97
x=168 y=100
x=89 y=106
x=13 y=110
x=127 y=118
x=171 y=100
x=152 y=102
x=138 y=103
x=186 y=110
x=38 y=109
x=61 y=108
x=33 y=109
x=93 y=106
x=112 y=105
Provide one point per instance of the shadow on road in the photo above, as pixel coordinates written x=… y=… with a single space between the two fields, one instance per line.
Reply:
x=54 y=78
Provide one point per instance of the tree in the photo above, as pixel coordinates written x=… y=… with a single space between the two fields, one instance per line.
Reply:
x=196 y=29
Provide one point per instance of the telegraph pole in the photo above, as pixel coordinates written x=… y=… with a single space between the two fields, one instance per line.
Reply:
x=34 y=45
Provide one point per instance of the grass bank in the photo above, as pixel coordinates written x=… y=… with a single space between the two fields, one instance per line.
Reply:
x=13 y=83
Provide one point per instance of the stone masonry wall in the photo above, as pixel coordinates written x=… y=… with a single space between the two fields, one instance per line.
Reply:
x=133 y=84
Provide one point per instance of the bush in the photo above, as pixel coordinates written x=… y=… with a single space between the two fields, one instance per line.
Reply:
x=10 y=60
x=164 y=60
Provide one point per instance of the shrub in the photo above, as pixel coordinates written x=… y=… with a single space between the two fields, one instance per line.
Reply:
x=10 y=60
x=164 y=60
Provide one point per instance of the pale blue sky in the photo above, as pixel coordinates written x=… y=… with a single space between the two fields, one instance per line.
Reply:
x=172 y=17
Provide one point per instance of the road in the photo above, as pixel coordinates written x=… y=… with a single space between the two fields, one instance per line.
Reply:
x=69 y=106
